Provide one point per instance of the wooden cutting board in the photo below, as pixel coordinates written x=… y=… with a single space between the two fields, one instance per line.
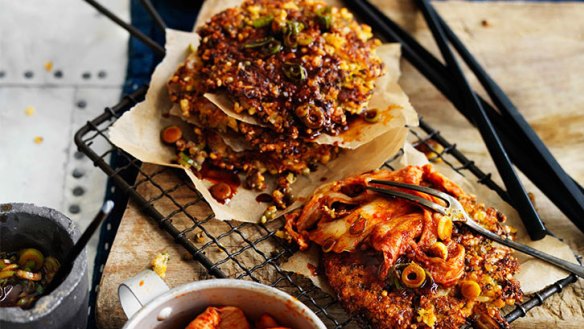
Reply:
x=536 y=53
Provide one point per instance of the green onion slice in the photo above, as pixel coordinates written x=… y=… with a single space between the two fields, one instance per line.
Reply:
x=185 y=161
x=262 y=21
x=295 y=72
x=293 y=27
x=259 y=42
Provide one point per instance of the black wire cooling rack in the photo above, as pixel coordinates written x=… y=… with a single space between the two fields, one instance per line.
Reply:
x=243 y=250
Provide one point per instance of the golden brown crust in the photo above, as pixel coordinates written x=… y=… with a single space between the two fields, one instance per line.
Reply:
x=281 y=63
x=299 y=67
x=353 y=276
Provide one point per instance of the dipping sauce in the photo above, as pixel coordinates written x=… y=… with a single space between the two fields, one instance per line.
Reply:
x=24 y=275
x=221 y=192
x=265 y=198
x=226 y=182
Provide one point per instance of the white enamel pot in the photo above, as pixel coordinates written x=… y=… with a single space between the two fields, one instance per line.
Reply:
x=175 y=308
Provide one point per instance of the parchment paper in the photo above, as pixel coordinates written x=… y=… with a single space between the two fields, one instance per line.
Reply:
x=235 y=142
x=533 y=274
x=138 y=131
x=226 y=105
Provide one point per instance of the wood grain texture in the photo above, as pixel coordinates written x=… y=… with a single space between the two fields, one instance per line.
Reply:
x=535 y=51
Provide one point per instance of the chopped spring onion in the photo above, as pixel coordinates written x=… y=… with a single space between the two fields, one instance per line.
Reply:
x=268 y=44
x=295 y=72
x=258 y=43
x=185 y=161
x=262 y=21
x=294 y=27
x=304 y=39
x=274 y=47
x=324 y=18
x=325 y=22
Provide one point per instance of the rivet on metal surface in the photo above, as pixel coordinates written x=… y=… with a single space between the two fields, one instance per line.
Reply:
x=78 y=173
x=101 y=74
x=81 y=104
x=74 y=209
x=2 y=74
x=58 y=74
x=78 y=155
x=86 y=75
x=28 y=74
x=78 y=191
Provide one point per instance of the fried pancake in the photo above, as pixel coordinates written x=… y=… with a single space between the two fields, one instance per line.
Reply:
x=398 y=265
x=353 y=276
x=299 y=68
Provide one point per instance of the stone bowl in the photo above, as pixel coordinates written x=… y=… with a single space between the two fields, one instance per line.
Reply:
x=24 y=226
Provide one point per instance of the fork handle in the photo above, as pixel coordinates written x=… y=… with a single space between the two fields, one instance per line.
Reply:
x=568 y=266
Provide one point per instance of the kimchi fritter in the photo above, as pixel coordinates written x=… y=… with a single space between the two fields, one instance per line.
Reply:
x=396 y=264
x=299 y=68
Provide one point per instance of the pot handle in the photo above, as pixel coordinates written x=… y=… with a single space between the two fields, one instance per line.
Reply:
x=137 y=291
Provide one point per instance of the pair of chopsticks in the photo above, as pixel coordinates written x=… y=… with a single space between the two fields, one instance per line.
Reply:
x=517 y=193
x=524 y=147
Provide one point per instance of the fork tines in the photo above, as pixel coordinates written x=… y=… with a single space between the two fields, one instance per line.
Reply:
x=412 y=197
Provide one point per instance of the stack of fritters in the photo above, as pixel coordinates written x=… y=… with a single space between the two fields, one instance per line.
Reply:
x=296 y=69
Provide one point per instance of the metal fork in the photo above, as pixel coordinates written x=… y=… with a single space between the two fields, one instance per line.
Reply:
x=454 y=210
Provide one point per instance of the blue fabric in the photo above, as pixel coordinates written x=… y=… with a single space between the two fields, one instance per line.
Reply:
x=178 y=15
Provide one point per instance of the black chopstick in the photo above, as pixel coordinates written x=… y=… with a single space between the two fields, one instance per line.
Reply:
x=79 y=246
x=516 y=120
x=519 y=196
x=520 y=148
x=154 y=14
x=159 y=50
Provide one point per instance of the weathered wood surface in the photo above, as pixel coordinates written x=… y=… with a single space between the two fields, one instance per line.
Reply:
x=536 y=53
